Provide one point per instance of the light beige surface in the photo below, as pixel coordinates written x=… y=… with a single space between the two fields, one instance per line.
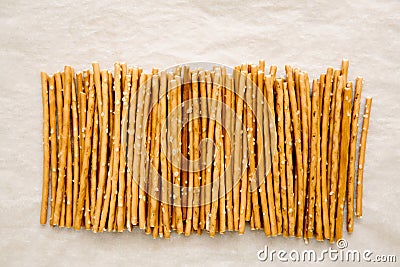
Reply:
x=313 y=35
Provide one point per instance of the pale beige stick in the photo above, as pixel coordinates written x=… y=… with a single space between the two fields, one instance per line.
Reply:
x=131 y=142
x=281 y=149
x=289 y=162
x=335 y=157
x=86 y=160
x=137 y=149
x=217 y=161
x=228 y=142
x=313 y=158
x=154 y=153
x=122 y=162
x=352 y=154
x=269 y=81
x=164 y=160
x=46 y=149
x=143 y=155
x=64 y=143
x=304 y=124
x=196 y=149
x=210 y=152
x=240 y=84
x=268 y=139
x=116 y=141
x=103 y=147
x=75 y=143
x=344 y=160
x=93 y=173
x=361 y=157
x=53 y=136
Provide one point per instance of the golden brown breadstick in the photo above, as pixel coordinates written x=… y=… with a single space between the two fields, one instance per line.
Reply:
x=344 y=160
x=361 y=157
x=93 y=173
x=352 y=154
x=335 y=157
x=196 y=150
x=46 y=149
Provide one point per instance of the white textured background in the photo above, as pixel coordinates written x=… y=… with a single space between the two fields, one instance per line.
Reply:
x=36 y=36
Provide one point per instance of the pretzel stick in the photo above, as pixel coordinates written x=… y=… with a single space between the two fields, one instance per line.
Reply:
x=345 y=70
x=98 y=86
x=86 y=159
x=344 y=160
x=252 y=107
x=75 y=179
x=143 y=155
x=244 y=192
x=116 y=147
x=361 y=157
x=203 y=152
x=175 y=170
x=46 y=149
x=196 y=150
x=131 y=142
x=335 y=157
x=164 y=161
x=313 y=157
x=352 y=154
x=289 y=161
x=210 y=152
x=304 y=123
x=270 y=227
x=64 y=144
x=275 y=156
x=281 y=148
x=228 y=142
x=59 y=100
x=154 y=152
x=137 y=150
x=93 y=173
x=103 y=119
x=324 y=150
